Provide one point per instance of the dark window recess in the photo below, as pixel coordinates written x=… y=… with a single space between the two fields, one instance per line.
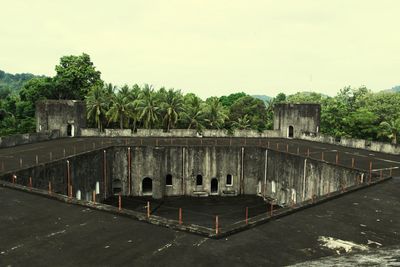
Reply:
x=199 y=180
x=291 y=130
x=168 y=179
x=229 y=179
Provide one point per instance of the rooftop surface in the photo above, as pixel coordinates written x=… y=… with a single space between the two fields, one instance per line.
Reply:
x=38 y=231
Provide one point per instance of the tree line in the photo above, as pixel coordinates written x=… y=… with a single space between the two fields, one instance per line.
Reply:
x=353 y=112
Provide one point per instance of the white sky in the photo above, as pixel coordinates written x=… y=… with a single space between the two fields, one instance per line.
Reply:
x=211 y=47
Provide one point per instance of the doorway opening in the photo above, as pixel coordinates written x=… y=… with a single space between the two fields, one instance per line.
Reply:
x=214 y=186
x=70 y=130
x=147 y=186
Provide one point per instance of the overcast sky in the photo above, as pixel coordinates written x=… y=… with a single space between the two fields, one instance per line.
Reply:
x=211 y=47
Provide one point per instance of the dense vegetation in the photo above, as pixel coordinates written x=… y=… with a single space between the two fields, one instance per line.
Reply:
x=353 y=112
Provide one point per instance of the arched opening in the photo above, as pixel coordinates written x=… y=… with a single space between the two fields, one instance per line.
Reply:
x=168 y=179
x=229 y=180
x=214 y=186
x=199 y=180
x=147 y=186
x=116 y=186
x=70 y=130
x=290 y=131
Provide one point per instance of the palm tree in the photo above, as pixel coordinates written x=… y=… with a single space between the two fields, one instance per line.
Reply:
x=148 y=107
x=119 y=109
x=242 y=123
x=193 y=112
x=171 y=108
x=132 y=98
x=390 y=129
x=96 y=104
x=215 y=113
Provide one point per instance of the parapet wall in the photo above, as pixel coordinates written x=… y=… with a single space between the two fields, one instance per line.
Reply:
x=355 y=143
x=91 y=132
x=23 y=139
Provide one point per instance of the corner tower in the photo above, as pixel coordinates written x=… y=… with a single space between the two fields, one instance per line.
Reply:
x=66 y=116
x=292 y=120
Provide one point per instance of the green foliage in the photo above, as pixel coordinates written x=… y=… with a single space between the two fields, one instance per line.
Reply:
x=228 y=101
x=12 y=82
x=251 y=109
x=75 y=76
x=353 y=112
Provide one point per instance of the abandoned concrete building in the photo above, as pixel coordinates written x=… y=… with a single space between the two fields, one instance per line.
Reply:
x=195 y=171
x=295 y=119
x=66 y=116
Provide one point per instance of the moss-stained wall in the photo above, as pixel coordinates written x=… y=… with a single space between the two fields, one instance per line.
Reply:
x=281 y=176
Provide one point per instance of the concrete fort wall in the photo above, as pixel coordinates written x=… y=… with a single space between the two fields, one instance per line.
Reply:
x=292 y=178
x=355 y=143
x=284 y=177
x=91 y=132
x=23 y=139
x=86 y=170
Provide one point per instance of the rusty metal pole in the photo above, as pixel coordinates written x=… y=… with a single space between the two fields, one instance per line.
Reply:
x=148 y=209
x=68 y=177
x=370 y=172
x=49 y=188
x=180 y=215
x=271 y=208
x=352 y=163
x=119 y=202
x=247 y=215
x=216 y=225
x=30 y=182
x=129 y=171
x=105 y=173
x=322 y=155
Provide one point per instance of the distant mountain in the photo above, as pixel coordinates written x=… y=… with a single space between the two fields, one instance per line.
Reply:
x=395 y=89
x=14 y=82
x=264 y=98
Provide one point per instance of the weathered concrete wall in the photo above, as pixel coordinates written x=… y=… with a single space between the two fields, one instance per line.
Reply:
x=23 y=139
x=281 y=176
x=302 y=117
x=355 y=143
x=85 y=171
x=277 y=175
x=58 y=114
x=292 y=178
x=177 y=133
